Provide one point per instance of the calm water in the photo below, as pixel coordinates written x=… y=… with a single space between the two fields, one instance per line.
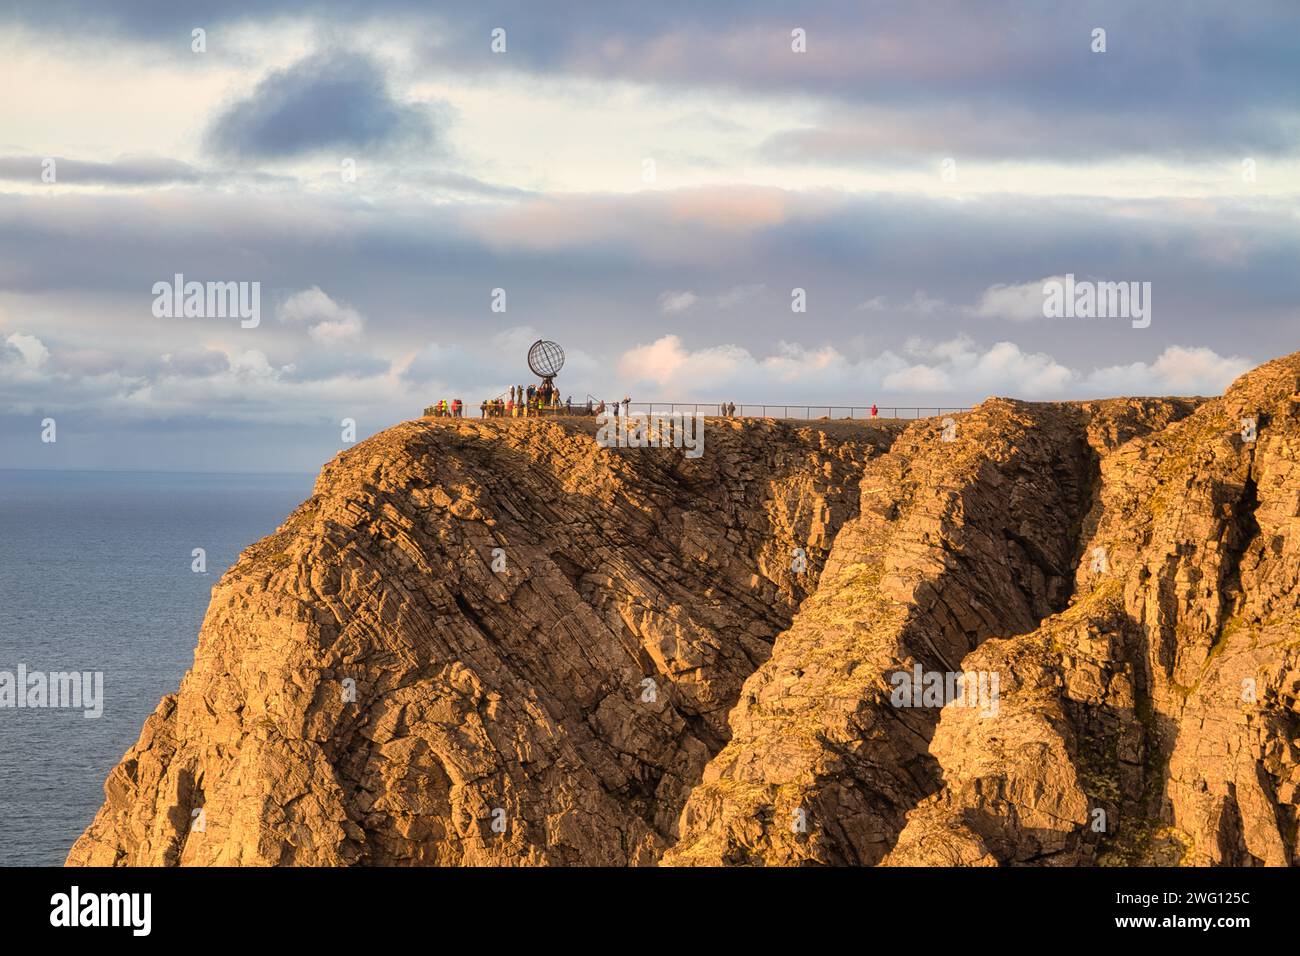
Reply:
x=95 y=575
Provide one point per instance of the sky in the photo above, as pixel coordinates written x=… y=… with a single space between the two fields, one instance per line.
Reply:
x=752 y=201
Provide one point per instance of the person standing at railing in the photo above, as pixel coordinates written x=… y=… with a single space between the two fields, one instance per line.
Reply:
x=874 y=411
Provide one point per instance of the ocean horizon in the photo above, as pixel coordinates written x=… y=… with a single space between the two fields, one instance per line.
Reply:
x=98 y=579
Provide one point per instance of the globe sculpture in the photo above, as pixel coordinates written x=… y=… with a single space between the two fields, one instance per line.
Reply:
x=545 y=359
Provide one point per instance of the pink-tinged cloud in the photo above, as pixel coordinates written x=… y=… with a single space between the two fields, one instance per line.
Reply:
x=666 y=225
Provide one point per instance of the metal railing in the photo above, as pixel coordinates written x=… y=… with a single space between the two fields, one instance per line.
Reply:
x=796 y=412
x=802 y=412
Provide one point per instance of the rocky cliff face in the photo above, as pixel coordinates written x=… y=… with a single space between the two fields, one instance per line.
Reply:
x=498 y=643
x=484 y=642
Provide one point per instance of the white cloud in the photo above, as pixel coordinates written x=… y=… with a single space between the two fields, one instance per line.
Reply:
x=954 y=370
x=1019 y=303
x=739 y=295
x=920 y=304
x=1178 y=370
x=330 y=322
x=33 y=351
x=673 y=302
x=918 y=378
x=670 y=303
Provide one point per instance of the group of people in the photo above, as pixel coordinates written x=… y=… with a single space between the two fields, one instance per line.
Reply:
x=510 y=408
x=613 y=406
x=542 y=399
x=445 y=409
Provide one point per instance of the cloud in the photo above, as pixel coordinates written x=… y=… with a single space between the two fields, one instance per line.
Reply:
x=673 y=302
x=739 y=295
x=668 y=225
x=124 y=171
x=959 y=366
x=1177 y=78
x=920 y=305
x=949 y=371
x=77 y=268
x=448 y=181
x=328 y=101
x=1178 y=370
x=32 y=350
x=670 y=303
x=330 y=323
x=1019 y=303
x=194 y=363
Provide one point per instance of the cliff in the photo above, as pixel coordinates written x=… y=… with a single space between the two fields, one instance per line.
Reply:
x=495 y=642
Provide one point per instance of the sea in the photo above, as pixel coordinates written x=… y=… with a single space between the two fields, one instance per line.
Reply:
x=97 y=576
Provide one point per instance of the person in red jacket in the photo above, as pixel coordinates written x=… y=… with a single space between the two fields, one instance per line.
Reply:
x=874 y=411
x=455 y=408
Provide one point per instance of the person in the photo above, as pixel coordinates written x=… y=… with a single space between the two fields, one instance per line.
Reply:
x=874 y=411
x=510 y=407
x=531 y=392
x=455 y=408
x=568 y=405
x=627 y=402
x=482 y=409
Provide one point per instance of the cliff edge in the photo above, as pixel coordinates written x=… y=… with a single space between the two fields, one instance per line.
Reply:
x=496 y=642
